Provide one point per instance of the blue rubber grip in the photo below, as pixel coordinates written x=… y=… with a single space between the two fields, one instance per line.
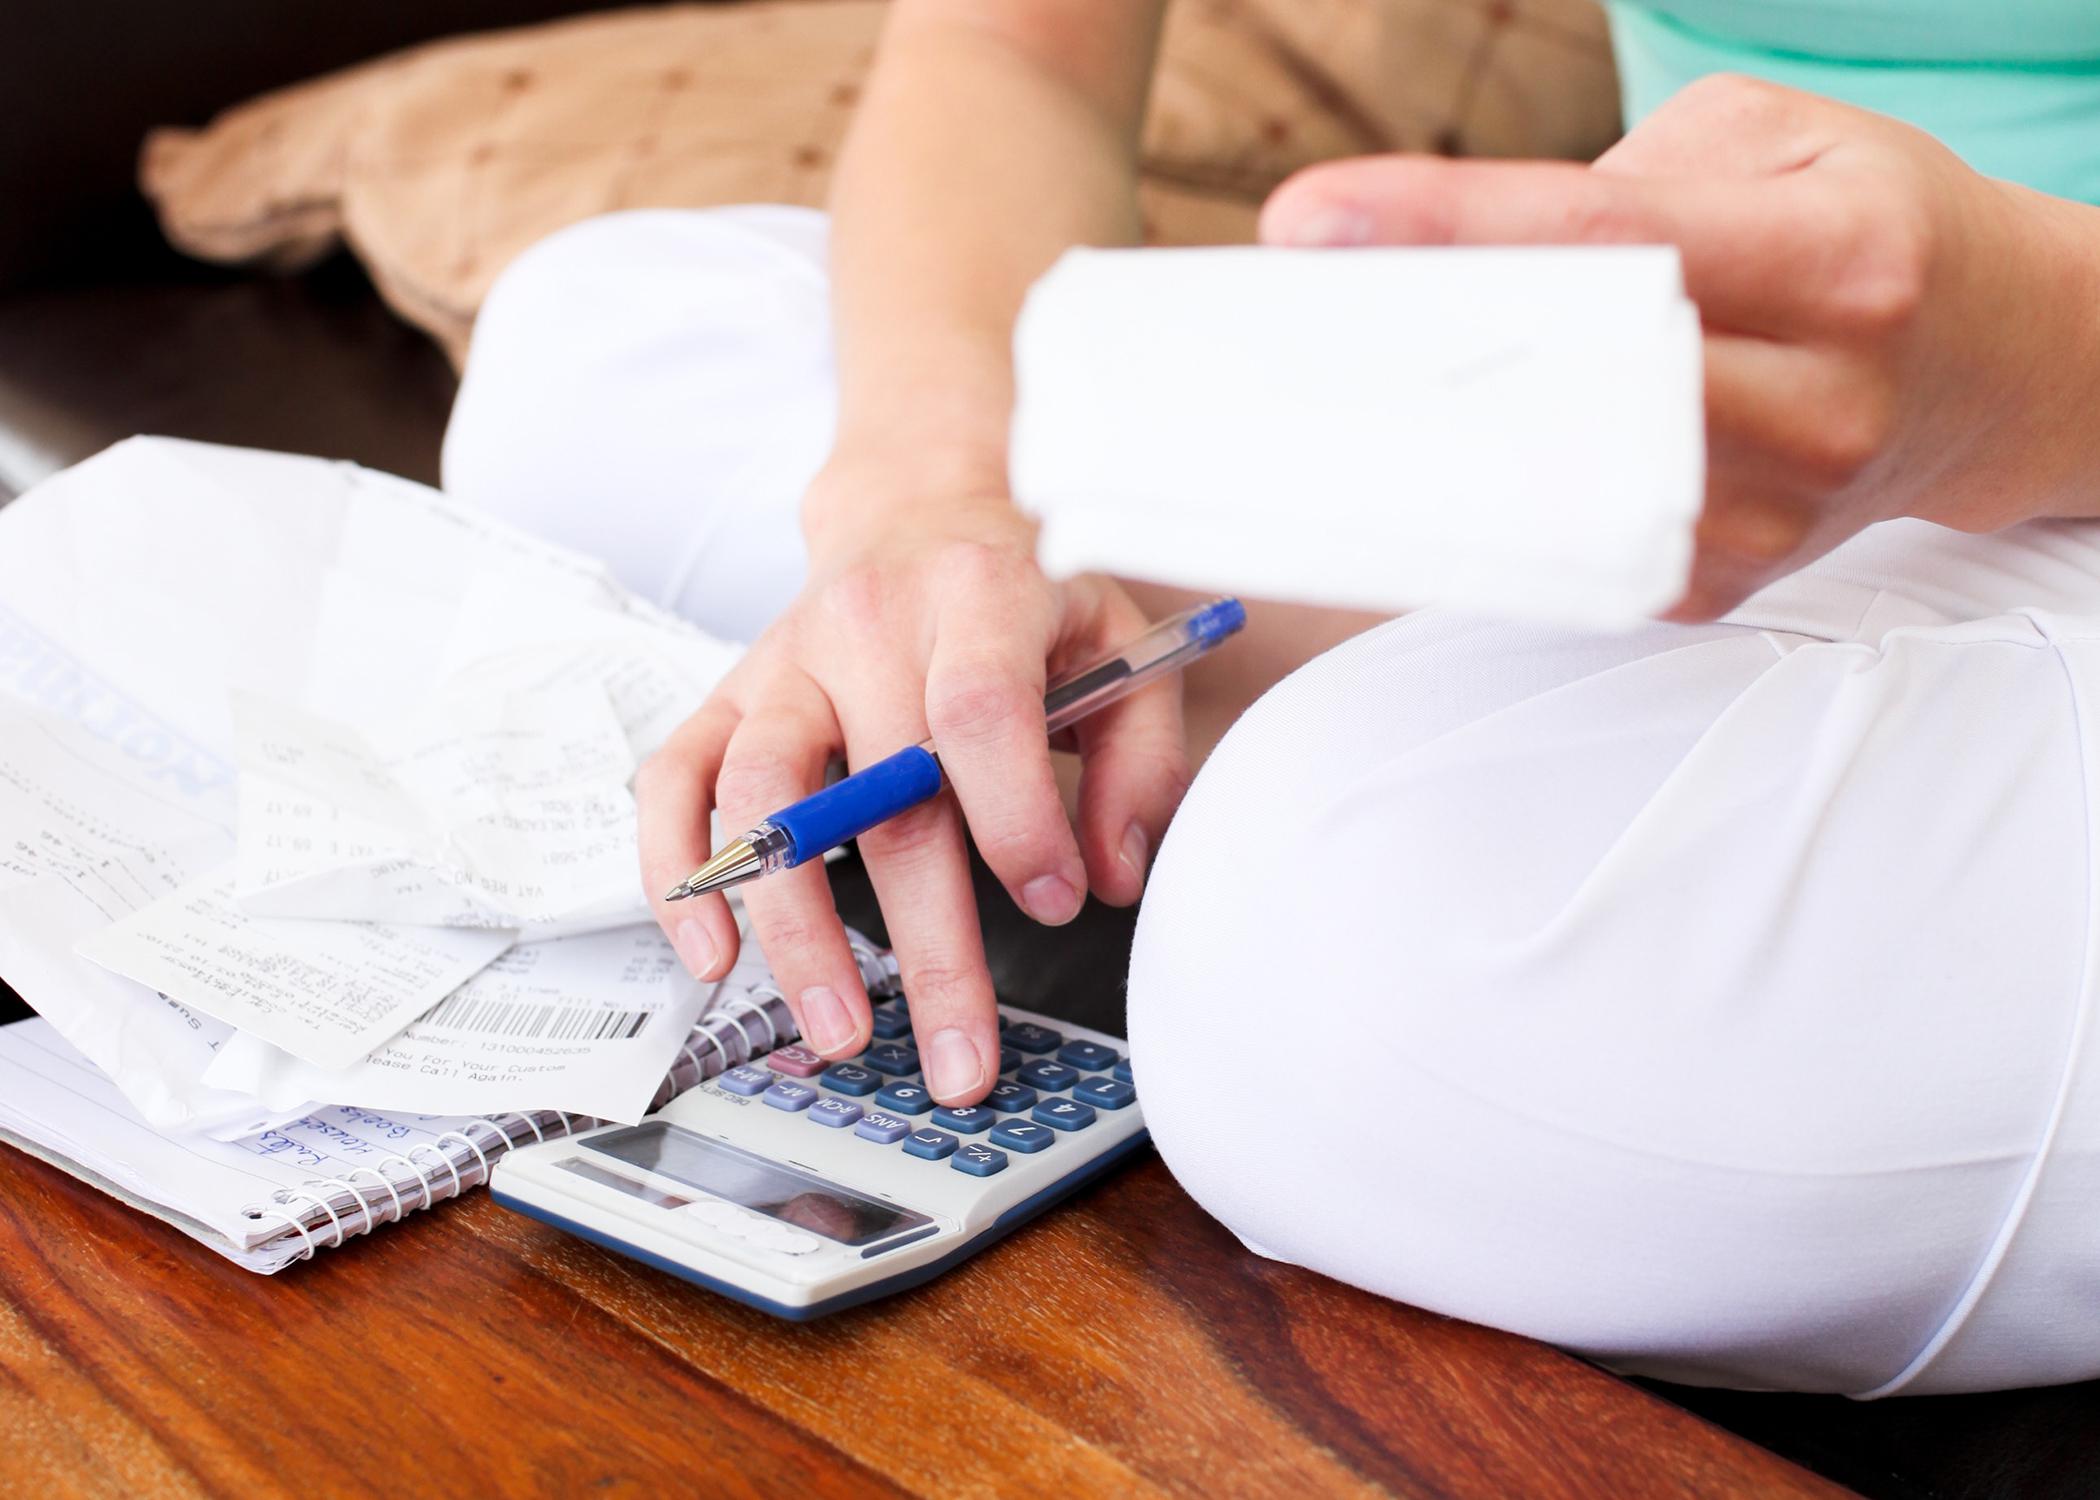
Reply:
x=849 y=808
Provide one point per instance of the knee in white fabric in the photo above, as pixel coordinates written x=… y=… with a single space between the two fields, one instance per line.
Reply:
x=1626 y=1009
x=656 y=388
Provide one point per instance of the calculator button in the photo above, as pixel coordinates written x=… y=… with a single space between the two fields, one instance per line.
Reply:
x=790 y=1096
x=796 y=1062
x=790 y=1242
x=931 y=1144
x=905 y=1098
x=1029 y=1037
x=746 y=1081
x=837 y=1113
x=978 y=1161
x=968 y=1119
x=891 y=1022
x=1021 y=1135
x=1008 y=1059
x=851 y=1078
x=877 y=1126
x=893 y=1058
x=1014 y=1098
x=1122 y=1073
x=1063 y=1114
x=1091 y=1056
x=1107 y=1093
x=1050 y=1077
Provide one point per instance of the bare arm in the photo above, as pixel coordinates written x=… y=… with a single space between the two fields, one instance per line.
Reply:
x=995 y=134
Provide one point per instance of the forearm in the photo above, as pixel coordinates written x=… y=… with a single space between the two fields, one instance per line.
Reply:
x=2060 y=385
x=984 y=148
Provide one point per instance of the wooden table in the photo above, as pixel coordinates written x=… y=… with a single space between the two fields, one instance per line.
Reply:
x=1124 y=1345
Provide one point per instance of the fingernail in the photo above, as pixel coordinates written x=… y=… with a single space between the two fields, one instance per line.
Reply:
x=825 y=1024
x=1135 y=848
x=1050 y=899
x=1329 y=224
x=696 y=950
x=953 y=1067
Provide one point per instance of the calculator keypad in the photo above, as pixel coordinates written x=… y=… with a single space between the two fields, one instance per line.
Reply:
x=877 y=1126
x=968 y=1119
x=790 y=1096
x=894 y=1058
x=1050 y=1086
x=796 y=1062
x=978 y=1161
x=1023 y=1135
x=837 y=1113
x=1050 y=1077
x=851 y=1078
x=1091 y=1056
x=1104 y=1093
x=746 y=1081
x=905 y=1098
x=1013 y=1098
x=934 y=1145
x=1029 y=1037
x=1063 y=1114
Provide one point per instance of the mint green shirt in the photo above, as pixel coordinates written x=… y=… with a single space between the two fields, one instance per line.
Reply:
x=2013 y=86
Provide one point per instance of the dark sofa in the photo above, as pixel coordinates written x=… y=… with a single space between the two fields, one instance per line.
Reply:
x=104 y=333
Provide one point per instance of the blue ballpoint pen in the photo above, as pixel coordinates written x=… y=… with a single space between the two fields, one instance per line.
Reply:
x=874 y=794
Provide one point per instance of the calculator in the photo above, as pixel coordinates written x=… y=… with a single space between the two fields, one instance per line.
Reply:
x=801 y=1186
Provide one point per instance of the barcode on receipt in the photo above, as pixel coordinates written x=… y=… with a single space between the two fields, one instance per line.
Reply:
x=556 y=1023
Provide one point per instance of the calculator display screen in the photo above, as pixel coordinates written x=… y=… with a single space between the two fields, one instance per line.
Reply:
x=751 y=1181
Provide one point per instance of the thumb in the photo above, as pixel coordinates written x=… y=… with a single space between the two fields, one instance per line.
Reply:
x=1737 y=237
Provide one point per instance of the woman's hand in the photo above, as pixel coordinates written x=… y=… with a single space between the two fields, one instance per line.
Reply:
x=1887 y=331
x=926 y=618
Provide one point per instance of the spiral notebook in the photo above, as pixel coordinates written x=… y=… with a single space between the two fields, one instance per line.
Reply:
x=310 y=1183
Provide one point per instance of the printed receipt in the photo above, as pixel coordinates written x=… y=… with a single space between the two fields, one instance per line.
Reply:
x=589 y=1025
x=500 y=809
x=326 y=992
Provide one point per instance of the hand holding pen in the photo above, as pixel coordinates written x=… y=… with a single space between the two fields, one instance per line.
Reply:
x=948 y=643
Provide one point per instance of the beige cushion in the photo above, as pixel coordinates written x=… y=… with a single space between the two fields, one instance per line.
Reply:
x=439 y=164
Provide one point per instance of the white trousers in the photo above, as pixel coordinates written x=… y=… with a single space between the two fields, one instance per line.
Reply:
x=1715 y=1001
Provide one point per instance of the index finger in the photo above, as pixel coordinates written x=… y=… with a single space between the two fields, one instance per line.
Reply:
x=1751 y=259
x=671 y=794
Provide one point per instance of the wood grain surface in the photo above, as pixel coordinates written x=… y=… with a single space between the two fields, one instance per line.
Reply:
x=1123 y=1345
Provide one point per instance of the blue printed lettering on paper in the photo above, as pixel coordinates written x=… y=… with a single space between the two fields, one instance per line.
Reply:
x=37 y=671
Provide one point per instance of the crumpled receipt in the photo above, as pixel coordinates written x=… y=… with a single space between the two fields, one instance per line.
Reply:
x=502 y=809
x=328 y=992
x=586 y=1024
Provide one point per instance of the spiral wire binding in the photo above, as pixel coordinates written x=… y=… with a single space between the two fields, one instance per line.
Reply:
x=727 y=1035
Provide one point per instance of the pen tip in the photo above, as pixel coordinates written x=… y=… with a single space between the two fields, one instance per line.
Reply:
x=678 y=892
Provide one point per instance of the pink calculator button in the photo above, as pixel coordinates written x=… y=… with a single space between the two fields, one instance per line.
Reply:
x=796 y=1062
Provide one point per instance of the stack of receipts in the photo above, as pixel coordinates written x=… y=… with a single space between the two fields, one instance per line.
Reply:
x=316 y=836
x=1517 y=431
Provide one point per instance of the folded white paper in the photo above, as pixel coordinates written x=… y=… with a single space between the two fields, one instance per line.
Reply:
x=1517 y=431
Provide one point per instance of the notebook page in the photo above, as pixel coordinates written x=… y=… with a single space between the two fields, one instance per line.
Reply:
x=217 y=1192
